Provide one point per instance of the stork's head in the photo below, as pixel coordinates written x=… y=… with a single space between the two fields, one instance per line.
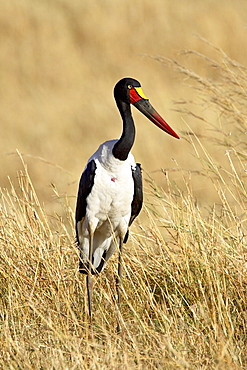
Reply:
x=129 y=91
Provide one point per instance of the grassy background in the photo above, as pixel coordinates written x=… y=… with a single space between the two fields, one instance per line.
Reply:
x=184 y=300
x=60 y=61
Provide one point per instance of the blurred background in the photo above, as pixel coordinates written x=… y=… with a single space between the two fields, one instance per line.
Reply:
x=59 y=62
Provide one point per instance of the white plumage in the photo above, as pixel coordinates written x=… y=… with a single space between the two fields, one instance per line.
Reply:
x=108 y=204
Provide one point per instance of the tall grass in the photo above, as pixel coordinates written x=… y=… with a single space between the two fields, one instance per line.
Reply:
x=184 y=284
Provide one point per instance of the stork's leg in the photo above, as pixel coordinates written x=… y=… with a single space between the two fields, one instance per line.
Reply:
x=89 y=276
x=118 y=281
x=89 y=294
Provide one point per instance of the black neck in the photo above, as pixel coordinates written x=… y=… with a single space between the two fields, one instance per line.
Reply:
x=123 y=146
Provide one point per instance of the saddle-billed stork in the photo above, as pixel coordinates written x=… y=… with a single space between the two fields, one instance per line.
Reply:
x=110 y=189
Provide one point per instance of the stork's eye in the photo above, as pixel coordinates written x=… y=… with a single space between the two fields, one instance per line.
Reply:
x=130 y=87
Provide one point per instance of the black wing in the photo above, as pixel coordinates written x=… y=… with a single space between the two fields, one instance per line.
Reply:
x=137 y=201
x=85 y=187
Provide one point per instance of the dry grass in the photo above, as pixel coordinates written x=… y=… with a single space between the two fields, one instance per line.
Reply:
x=184 y=300
x=185 y=265
x=184 y=286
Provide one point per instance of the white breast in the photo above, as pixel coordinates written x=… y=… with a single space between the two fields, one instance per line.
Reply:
x=113 y=189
